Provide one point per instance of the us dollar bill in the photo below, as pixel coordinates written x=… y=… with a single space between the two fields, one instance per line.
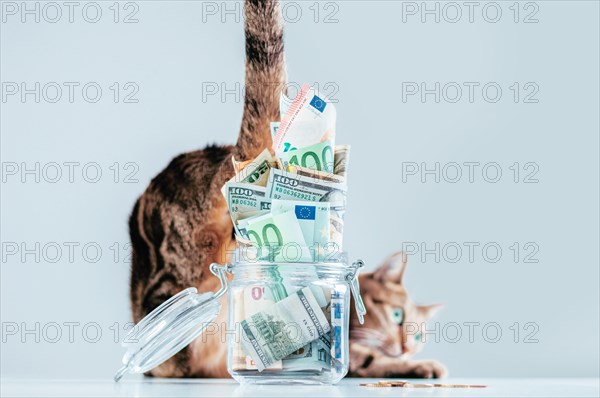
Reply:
x=341 y=158
x=255 y=299
x=245 y=200
x=314 y=174
x=255 y=172
x=283 y=328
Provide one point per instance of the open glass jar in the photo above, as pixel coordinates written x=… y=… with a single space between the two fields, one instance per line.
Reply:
x=287 y=323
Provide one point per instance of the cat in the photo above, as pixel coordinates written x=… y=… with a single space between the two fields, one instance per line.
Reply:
x=391 y=333
x=181 y=224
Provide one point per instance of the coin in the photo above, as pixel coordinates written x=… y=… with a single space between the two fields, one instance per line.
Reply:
x=375 y=385
x=396 y=383
x=411 y=385
x=459 y=386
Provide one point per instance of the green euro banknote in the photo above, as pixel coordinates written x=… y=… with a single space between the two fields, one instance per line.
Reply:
x=274 y=126
x=313 y=218
x=290 y=186
x=319 y=157
x=282 y=233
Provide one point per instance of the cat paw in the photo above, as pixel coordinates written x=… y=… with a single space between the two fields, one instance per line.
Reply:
x=429 y=370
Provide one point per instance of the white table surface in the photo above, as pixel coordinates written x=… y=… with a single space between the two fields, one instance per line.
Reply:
x=147 y=387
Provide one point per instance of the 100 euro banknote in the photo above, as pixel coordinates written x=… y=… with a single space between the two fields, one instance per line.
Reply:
x=290 y=186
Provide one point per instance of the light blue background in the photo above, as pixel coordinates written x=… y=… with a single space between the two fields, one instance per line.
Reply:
x=365 y=56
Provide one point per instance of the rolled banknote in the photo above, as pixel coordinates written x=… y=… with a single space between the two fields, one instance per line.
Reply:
x=317 y=354
x=314 y=174
x=337 y=321
x=286 y=326
x=284 y=185
x=313 y=356
x=341 y=156
x=238 y=356
x=239 y=165
x=256 y=299
x=255 y=172
x=310 y=119
x=245 y=200
x=316 y=157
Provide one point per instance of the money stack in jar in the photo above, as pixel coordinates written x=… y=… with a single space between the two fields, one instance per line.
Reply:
x=288 y=204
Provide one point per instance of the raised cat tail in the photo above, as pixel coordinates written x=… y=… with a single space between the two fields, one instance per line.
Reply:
x=266 y=75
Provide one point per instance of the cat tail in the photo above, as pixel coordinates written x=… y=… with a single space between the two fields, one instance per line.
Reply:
x=266 y=76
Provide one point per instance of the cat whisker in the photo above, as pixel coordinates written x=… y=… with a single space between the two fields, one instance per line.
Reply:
x=368 y=337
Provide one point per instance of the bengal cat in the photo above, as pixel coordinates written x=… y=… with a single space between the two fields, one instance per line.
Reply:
x=180 y=224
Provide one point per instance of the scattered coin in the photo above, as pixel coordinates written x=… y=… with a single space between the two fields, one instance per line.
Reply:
x=415 y=385
x=375 y=385
x=406 y=384
x=398 y=383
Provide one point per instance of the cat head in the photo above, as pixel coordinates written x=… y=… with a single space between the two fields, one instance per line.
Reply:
x=393 y=323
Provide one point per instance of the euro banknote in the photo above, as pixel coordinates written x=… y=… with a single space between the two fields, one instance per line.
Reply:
x=313 y=219
x=310 y=119
x=282 y=233
x=289 y=186
x=318 y=157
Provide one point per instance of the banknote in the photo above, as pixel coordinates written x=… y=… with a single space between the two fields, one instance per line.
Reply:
x=313 y=219
x=317 y=354
x=245 y=200
x=283 y=185
x=255 y=172
x=284 y=104
x=256 y=299
x=310 y=119
x=337 y=315
x=341 y=156
x=282 y=233
x=318 y=157
x=274 y=127
x=314 y=174
x=238 y=356
x=313 y=356
x=239 y=165
x=283 y=328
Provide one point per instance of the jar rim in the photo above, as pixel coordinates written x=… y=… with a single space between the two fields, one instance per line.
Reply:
x=242 y=258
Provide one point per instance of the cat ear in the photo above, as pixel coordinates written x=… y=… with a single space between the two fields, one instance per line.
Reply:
x=392 y=269
x=428 y=311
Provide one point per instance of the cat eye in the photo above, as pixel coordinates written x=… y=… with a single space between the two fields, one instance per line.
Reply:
x=398 y=316
x=418 y=336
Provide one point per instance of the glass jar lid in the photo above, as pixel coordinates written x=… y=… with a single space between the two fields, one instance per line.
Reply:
x=171 y=327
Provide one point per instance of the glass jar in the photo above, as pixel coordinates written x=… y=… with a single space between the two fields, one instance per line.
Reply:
x=287 y=323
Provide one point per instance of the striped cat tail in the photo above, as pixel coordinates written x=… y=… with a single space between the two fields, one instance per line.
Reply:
x=265 y=75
